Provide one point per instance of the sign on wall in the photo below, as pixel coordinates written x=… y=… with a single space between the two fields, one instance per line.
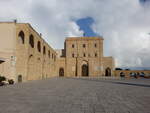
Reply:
x=13 y=60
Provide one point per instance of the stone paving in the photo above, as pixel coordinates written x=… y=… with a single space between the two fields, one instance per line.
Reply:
x=77 y=95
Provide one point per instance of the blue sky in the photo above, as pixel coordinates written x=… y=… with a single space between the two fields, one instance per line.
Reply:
x=85 y=24
x=144 y=1
x=124 y=24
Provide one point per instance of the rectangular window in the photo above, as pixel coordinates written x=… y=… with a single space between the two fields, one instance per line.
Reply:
x=95 y=54
x=95 y=45
x=84 y=45
x=84 y=55
x=72 y=45
x=73 y=55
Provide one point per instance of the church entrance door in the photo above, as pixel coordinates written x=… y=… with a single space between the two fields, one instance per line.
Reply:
x=85 y=70
x=61 y=72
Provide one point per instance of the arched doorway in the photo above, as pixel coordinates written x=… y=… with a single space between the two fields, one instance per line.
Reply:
x=38 y=68
x=108 y=72
x=19 y=78
x=61 y=72
x=31 y=68
x=85 y=70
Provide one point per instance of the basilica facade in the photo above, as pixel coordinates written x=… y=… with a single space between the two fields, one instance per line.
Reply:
x=83 y=57
x=25 y=55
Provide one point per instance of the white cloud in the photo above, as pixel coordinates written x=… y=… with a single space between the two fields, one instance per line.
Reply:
x=73 y=30
x=124 y=24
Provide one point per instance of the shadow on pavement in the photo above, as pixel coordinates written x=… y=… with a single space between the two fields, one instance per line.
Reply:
x=114 y=82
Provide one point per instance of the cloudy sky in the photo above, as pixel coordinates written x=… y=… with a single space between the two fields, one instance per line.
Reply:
x=124 y=24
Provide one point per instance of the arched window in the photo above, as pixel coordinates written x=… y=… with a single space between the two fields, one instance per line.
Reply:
x=21 y=37
x=44 y=50
x=52 y=55
x=73 y=55
x=49 y=54
x=95 y=54
x=31 y=41
x=39 y=46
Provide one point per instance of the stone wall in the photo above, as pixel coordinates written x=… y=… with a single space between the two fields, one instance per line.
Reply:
x=20 y=48
x=28 y=57
x=85 y=51
x=128 y=73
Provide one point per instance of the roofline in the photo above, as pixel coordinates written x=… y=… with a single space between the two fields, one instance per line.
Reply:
x=84 y=38
x=38 y=35
x=12 y=22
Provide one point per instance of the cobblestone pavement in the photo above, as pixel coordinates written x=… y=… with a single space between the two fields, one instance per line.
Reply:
x=72 y=95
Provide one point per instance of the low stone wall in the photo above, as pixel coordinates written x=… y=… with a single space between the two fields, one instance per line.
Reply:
x=127 y=73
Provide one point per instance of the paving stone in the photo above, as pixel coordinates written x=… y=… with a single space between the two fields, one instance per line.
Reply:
x=77 y=95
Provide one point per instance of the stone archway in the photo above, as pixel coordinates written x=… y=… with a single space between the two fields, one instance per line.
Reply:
x=19 y=78
x=31 y=67
x=108 y=72
x=61 y=72
x=85 y=70
x=38 y=68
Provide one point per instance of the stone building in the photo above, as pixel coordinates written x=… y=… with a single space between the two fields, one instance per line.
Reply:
x=24 y=55
x=83 y=56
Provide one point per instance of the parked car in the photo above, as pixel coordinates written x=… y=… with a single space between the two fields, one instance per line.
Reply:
x=142 y=74
x=147 y=75
x=2 y=83
x=134 y=75
x=122 y=74
x=6 y=82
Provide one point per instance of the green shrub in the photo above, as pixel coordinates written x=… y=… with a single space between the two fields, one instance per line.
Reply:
x=2 y=78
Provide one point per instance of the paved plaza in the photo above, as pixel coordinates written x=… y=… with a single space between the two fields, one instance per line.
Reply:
x=77 y=95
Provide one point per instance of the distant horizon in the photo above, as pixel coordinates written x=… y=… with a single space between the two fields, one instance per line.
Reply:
x=135 y=68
